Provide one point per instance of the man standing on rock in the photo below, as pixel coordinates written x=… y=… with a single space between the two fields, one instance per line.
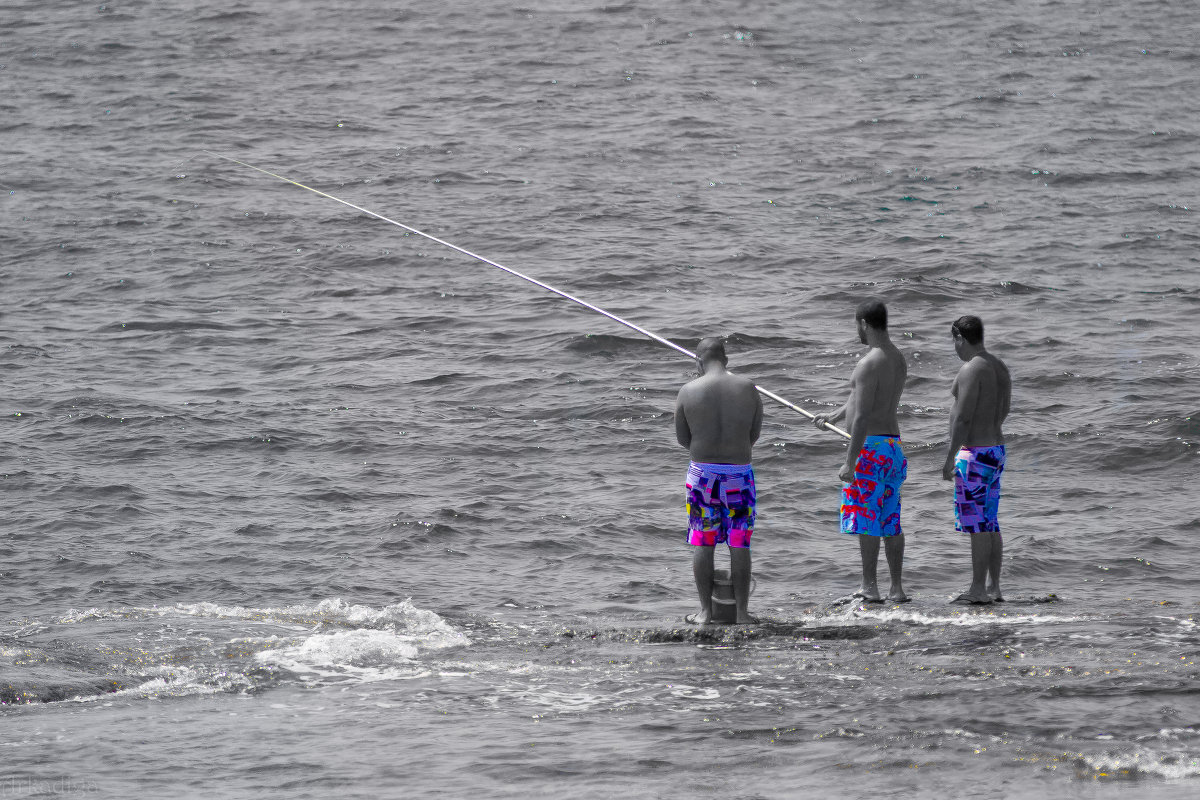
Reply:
x=875 y=464
x=982 y=394
x=718 y=417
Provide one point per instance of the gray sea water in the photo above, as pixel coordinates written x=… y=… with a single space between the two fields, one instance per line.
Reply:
x=299 y=505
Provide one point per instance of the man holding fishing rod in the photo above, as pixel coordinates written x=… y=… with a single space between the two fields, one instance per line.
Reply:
x=718 y=417
x=875 y=464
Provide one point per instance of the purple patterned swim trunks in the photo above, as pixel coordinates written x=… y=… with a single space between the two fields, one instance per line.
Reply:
x=977 y=473
x=720 y=504
x=871 y=504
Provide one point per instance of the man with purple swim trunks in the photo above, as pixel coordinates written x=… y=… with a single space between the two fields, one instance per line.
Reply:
x=718 y=417
x=982 y=395
x=875 y=464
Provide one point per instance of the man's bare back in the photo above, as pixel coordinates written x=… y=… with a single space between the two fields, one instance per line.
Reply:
x=982 y=393
x=718 y=417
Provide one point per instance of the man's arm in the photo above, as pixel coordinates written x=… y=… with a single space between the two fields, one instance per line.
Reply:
x=864 y=385
x=832 y=419
x=962 y=413
x=756 y=424
x=1004 y=382
x=683 y=433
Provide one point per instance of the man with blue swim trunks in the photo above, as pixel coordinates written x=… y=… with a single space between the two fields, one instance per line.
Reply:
x=875 y=464
x=718 y=417
x=982 y=393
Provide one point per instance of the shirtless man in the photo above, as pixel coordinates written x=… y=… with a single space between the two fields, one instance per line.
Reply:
x=982 y=394
x=718 y=417
x=875 y=464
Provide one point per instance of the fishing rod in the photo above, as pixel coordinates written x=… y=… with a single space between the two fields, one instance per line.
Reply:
x=522 y=276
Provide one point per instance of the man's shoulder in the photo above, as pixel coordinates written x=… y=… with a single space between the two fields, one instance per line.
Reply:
x=984 y=367
x=701 y=385
x=987 y=362
x=870 y=359
x=972 y=371
x=882 y=358
x=739 y=380
x=687 y=389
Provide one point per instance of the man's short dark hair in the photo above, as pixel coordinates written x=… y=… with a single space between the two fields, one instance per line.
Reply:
x=712 y=347
x=873 y=312
x=970 y=327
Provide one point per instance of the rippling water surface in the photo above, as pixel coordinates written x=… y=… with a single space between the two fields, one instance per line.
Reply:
x=298 y=503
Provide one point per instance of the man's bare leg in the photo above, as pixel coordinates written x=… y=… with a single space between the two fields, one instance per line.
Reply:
x=993 y=589
x=739 y=568
x=894 y=550
x=868 y=547
x=981 y=559
x=702 y=570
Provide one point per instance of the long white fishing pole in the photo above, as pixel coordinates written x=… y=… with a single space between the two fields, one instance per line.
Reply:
x=523 y=277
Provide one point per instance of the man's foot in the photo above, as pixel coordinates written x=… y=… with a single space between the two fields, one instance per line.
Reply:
x=699 y=618
x=968 y=599
x=897 y=595
x=748 y=619
x=867 y=595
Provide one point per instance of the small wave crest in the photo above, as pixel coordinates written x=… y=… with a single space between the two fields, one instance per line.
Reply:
x=334 y=611
x=172 y=681
x=365 y=654
x=1171 y=763
x=331 y=639
x=958 y=618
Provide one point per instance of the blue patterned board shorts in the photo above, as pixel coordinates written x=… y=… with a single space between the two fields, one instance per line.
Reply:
x=720 y=504
x=871 y=504
x=977 y=473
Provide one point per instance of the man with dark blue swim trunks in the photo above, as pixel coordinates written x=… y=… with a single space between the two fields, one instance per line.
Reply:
x=718 y=418
x=875 y=464
x=982 y=393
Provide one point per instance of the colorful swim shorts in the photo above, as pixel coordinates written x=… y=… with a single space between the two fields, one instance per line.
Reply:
x=720 y=504
x=871 y=504
x=977 y=489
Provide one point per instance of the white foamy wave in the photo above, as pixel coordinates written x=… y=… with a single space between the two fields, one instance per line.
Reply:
x=1180 y=629
x=433 y=632
x=330 y=638
x=333 y=610
x=957 y=618
x=174 y=681
x=373 y=637
x=1178 y=734
x=1172 y=765
x=688 y=692
x=364 y=654
x=565 y=702
x=75 y=615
